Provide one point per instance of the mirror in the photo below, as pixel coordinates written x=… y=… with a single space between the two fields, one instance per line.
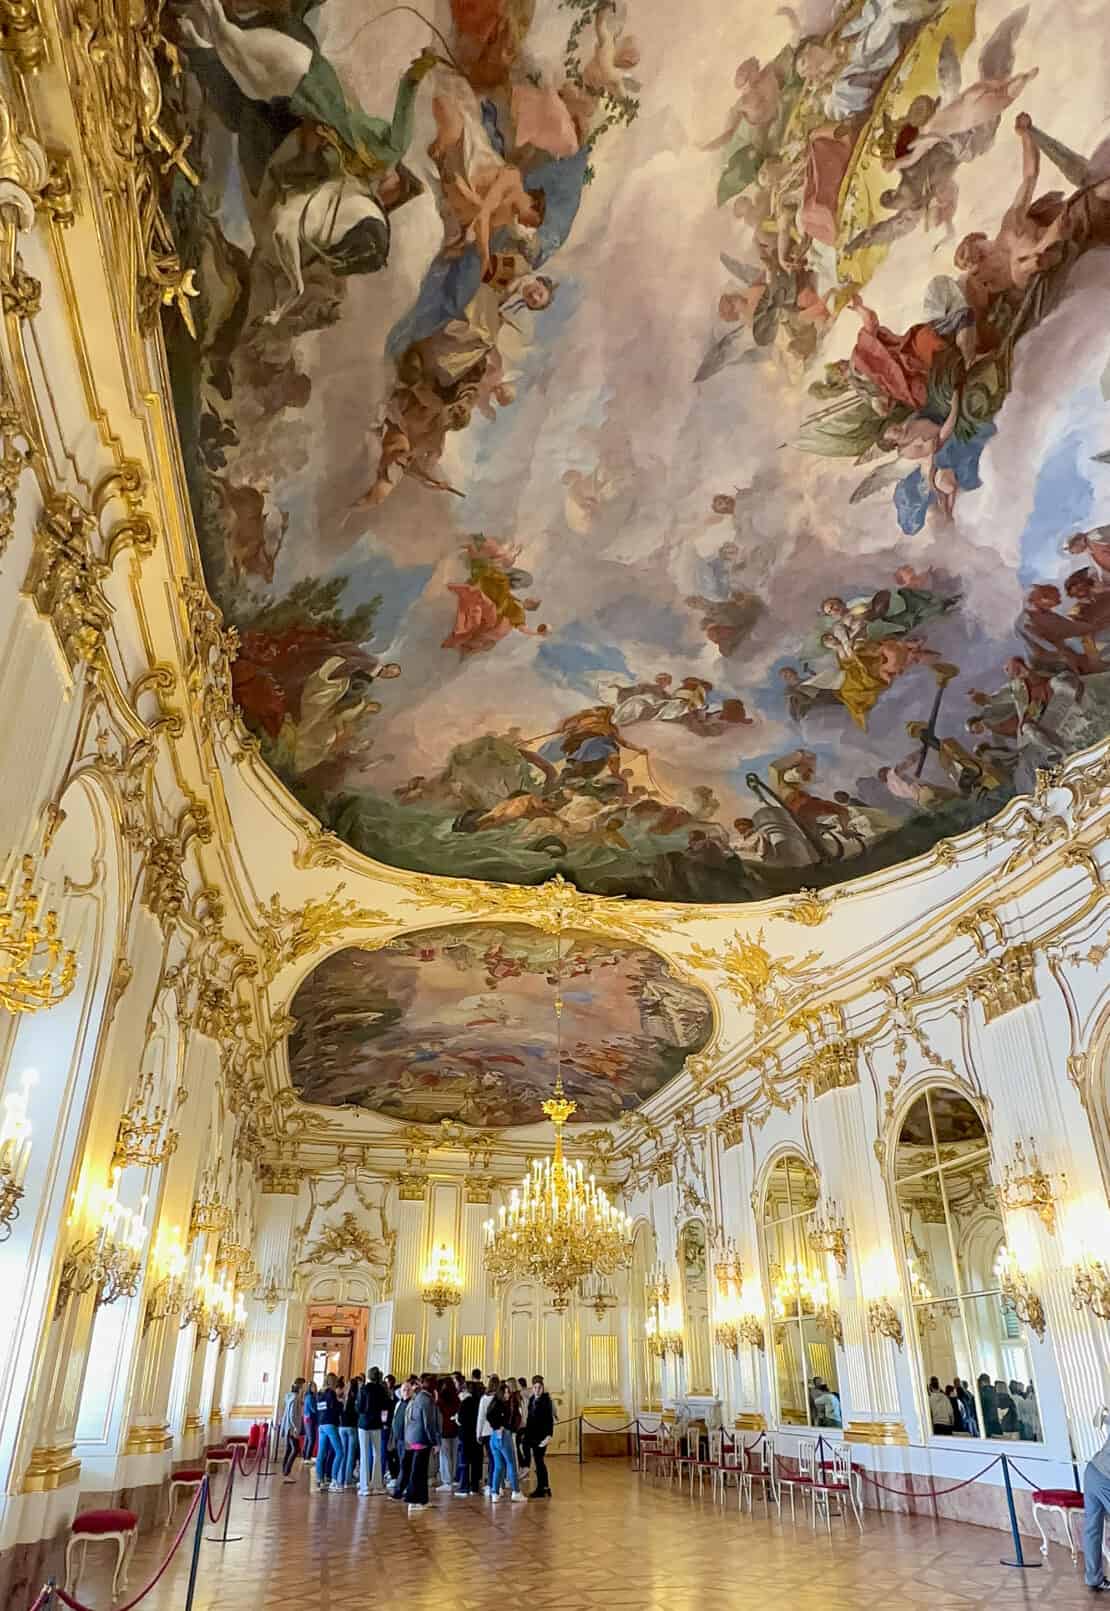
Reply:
x=693 y=1260
x=807 y=1384
x=976 y=1368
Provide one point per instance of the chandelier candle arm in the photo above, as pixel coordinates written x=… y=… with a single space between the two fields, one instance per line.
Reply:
x=15 y=1153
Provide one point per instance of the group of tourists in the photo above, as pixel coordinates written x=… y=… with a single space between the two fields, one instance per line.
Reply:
x=375 y=1435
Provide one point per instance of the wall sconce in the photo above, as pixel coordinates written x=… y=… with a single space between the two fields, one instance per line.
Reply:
x=1025 y=1185
x=596 y=1292
x=828 y=1233
x=1016 y=1295
x=750 y=1328
x=658 y=1288
x=728 y=1270
x=111 y=1260
x=167 y=1297
x=142 y=1137
x=273 y=1292
x=15 y=1153
x=1090 y=1288
x=727 y=1334
x=36 y=969
x=884 y=1320
x=211 y=1215
x=442 y=1287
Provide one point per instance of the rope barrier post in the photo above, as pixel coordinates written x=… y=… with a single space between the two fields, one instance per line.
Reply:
x=256 y=1498
x=50 y=1588
x=639 y=1451
x=197 y=1536
x=579 y=1440
x=1021 y=1563
x=223 y=1538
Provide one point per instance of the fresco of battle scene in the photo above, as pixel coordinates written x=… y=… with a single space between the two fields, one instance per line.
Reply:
x=459 y=1023
x=665 y=446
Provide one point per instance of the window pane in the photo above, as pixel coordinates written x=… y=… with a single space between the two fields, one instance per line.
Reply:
x=925 y=1238
x=947 y=1363
x=789 y=1374
x=955 y=1121
x=975 y=1223
x=1003 y=1373
x=915 y=1150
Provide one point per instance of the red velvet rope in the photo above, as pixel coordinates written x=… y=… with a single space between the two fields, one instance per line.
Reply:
x=214 y=1515
x=77 y=1605
x=925 y=1493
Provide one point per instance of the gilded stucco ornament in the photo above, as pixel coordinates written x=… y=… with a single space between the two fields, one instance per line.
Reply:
x=65 y=580
x=554 y=907
x=730 y=1128
x=768 y=986
x=212 y=648
x=833 y=1067
x=299 y=931
x=22 y=37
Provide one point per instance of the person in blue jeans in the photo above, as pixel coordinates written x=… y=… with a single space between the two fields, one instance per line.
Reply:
x=329 y=1411
x=1096 y=1508
x=499 y=1420
x=348 y=1425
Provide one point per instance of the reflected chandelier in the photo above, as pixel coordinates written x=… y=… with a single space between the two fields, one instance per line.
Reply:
x=559 y=1226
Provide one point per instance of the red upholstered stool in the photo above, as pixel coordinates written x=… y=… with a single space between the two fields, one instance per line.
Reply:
x=121 y=1526
x=182 y=1482
x=1063 y=1501
x=217 y=1456
x=237 y=1437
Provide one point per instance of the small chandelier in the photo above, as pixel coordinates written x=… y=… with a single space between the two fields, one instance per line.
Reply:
x=36 y=968
x=442 y=1287
x=210 y=1215
x=1025 y=1185
x=1090 y=1288
x=729 y=1270
x=15 y=1153
x=597 y=1294
x=559 y=1226
x=111 y=1259
x=828 y=1233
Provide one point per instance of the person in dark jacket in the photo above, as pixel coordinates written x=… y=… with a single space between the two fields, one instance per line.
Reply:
x=292 y=1426
x=447 y=1403
x=329 y=1409
x=397 y=1438
x=467 y=1417
x=312 y=1396
x=374 y=1408
x=539 y=1430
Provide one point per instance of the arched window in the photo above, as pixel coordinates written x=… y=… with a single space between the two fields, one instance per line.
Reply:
x=975 y=1362
x=806 y=1378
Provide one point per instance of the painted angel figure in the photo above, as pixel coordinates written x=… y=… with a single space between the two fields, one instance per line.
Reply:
x=956 y=128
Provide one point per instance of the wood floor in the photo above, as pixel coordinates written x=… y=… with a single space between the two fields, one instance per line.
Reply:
x=606 y=1542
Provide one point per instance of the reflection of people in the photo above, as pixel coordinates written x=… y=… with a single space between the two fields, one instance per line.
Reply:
x=940 y=1409
x=826 y=1405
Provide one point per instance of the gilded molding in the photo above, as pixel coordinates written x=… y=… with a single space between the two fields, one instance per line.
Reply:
x=877 y=1433
x=22 y=36
x=768 y=986
x=147 y=1440
x=479 y=1188
x=279 y=1180
x=118 y=54
x=50 y=1468
x=411 y=1186
x=1008 y=982
x=295 y=932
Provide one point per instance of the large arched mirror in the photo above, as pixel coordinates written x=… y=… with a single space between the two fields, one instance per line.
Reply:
x=693 y=1262
x=803 y=1319
x=976 y=1370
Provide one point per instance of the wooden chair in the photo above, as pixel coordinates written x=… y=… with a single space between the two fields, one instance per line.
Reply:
x=94 y=1526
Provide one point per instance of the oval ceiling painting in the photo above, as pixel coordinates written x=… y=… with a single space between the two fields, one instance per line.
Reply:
x=666 y=446
x=460 y=1023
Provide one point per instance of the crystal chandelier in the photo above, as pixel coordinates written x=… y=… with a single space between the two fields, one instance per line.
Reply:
x=559 y=1226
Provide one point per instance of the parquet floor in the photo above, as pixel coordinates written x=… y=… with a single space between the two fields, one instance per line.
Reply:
x=606 y=1542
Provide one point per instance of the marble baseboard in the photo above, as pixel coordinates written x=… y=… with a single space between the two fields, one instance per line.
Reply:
x=26 y=1567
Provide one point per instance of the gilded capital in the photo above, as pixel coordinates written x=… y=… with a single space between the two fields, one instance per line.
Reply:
x=1009 y=981
x=833 y=1067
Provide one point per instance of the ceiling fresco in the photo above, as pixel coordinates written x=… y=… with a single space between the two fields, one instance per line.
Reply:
x=459 y=1023
x=666 y=447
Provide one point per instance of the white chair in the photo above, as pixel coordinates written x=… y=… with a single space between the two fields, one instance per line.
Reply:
x=121 y=1527
x=181 y=1482
x=805 y=1455
x=687 y=1455
x=760 y=1461
x=731 y=1466
x=709 y=1463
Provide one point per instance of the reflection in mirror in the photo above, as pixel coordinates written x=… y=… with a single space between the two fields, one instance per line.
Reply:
x=976 y=1363
x=693 y=1262
x=806 y=1377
